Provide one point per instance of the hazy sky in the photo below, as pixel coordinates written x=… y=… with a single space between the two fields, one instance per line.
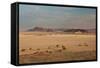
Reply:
x=31 y=16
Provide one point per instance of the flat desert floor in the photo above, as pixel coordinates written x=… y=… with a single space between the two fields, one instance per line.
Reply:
x=41 y=47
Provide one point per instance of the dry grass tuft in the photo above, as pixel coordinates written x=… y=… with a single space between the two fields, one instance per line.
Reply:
x=23 y=50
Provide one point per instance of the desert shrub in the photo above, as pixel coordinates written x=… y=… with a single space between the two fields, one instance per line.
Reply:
x=49 y=51
x=38 y=49
x=23 y=50
x=35 y=52
x=79 y=45
x=59 y=50
x=85 y=44
x=46 y=51
x=57 y=45
x=30 y=48
x=63 y=47
x=48 y=47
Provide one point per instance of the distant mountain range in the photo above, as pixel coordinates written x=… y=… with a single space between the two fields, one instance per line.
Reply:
x=42 y=29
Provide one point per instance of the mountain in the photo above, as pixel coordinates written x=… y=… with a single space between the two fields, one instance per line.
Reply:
x=91 y=30
x=42 y=29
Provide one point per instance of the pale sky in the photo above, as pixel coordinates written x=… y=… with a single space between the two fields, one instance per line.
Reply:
x=31 y=16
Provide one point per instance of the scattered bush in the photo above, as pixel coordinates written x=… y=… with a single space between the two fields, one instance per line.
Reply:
x=49 y=51
x=59 y=50
x=63 y=47
x=38 y=49
x=85 y=44
x=57 y=45
x=49 y=47
x=79 y=45
x=46 y=51
x=23 y=50
x=30 y=48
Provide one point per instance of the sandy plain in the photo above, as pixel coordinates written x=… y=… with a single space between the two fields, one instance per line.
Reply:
x=41 y=47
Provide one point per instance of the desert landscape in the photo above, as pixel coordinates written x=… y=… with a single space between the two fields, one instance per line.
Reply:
x=56 y=34
x=41 y=47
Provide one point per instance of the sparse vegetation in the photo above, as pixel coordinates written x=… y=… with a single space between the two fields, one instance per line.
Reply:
x=50 y=49
x=85 y=44
x=38 y=49
x=59 y=50
x=50 y=52
x=79 y=44
x=30 y=48
x=23 y=50
x=63 y=47
x=57 y=45
x=46 y=51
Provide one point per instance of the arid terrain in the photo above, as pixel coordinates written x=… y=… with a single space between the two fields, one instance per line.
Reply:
x=40 y=47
